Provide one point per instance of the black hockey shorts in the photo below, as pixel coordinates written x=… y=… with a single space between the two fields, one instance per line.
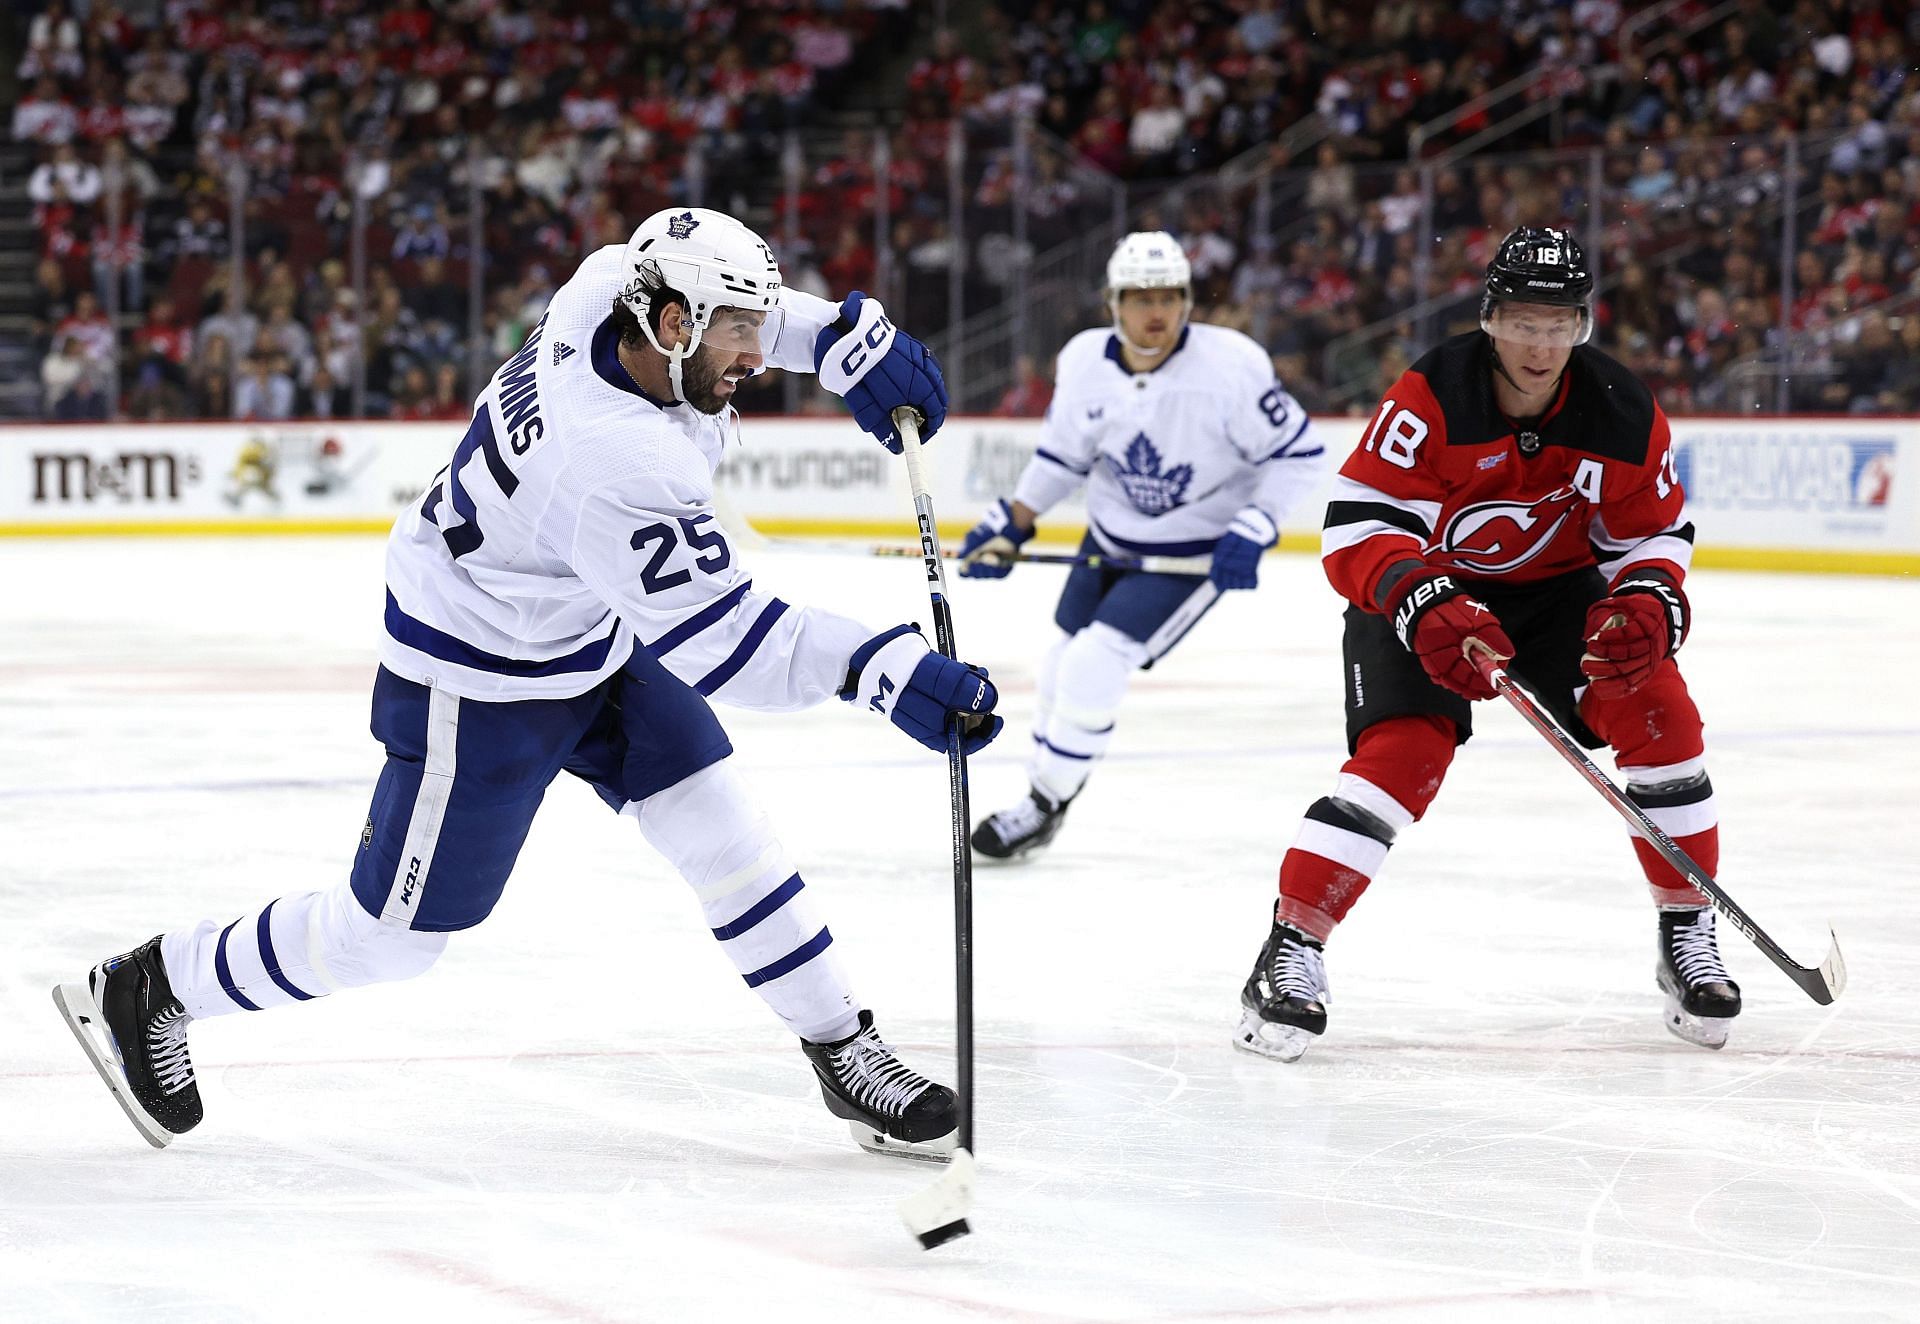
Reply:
x=1546 y=621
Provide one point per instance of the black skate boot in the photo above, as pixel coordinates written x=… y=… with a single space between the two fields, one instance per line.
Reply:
x=1285 y=998
x=135 y=1032
x=891 y=1108
x=1702 y=998
x=1014 y=833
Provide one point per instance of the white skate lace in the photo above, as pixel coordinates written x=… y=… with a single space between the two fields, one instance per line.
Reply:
x=1296 y=971
x=1019 y=821
x=875 y=1077
x=167 y=1049
x=1695 y=953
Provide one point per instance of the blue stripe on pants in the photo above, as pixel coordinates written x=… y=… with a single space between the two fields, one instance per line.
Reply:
x=762 y=908
x=792 y=961
x=271 y=959
x=225 y=971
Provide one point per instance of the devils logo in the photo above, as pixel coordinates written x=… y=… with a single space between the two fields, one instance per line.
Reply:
x=1493 y=537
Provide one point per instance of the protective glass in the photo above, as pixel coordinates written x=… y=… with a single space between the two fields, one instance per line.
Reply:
x=1545 y=325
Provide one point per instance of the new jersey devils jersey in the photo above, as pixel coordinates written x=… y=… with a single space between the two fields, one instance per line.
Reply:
x=1441 y=474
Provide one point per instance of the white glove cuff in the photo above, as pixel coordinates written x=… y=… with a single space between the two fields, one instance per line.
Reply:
x=1256 y=526
x=878 y=686
x=852 y=356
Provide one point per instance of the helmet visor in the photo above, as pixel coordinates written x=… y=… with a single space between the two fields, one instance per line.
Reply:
x=733 y=331
x=1546 y=325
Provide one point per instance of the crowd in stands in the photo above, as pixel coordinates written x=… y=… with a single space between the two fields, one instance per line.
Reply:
x=166 y=127
x=1337 y=243
x=1688 y=118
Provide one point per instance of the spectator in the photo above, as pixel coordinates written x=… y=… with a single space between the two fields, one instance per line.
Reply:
x=162 y=346
x=1155 y=129
x=450 y=398
x=45 y=115
x=78 y=180
x=1029 y=395
x=265 y=391
x=423 y=236
x=321 y=396
x=60 y=372
x=233 y=324
x=52 y=303
x=88 y=327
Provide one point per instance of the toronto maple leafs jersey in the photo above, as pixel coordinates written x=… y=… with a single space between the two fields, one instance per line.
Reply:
x=1442 y=475
x=1171 y=455
x=576 y=520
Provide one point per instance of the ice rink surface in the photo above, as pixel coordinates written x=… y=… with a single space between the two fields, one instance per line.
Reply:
x=581 y=1114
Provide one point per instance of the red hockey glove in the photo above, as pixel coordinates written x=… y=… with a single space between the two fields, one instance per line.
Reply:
x=1631 y=631
x=1434 y=617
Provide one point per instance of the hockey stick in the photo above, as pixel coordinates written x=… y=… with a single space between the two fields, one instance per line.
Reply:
x=1158 y=565
x=1822 y=983
x=938 y=1214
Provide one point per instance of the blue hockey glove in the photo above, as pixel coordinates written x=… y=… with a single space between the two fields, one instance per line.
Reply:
x=1236 y=557
x=876 y=368
x=896 y=675
x=988 y=550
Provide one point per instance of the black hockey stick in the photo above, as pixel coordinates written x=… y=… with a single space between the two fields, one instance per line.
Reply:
x=939 y=1214
x=1159 y=565
x=1822 y=983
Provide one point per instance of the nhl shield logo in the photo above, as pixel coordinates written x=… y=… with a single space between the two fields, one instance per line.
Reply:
x=681 y=226
x=1151 y=491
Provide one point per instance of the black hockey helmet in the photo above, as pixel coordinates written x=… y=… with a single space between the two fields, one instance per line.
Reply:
x=1538 y=264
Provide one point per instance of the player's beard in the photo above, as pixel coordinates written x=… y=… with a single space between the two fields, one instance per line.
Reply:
x=700 y=374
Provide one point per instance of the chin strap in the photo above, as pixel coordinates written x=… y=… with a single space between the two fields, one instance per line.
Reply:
x=675 y=356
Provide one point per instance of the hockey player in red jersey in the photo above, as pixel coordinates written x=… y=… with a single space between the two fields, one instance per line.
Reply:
x=1515 y=488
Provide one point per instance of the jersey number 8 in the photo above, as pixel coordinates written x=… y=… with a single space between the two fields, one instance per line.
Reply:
x=1397 y=437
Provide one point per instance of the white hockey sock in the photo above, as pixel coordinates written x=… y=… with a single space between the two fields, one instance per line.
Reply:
x=1090 y=679
x=294 y=949
x=755 y=902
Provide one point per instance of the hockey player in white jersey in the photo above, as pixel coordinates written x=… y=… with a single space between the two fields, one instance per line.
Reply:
x=1188 y=447
x=563 y=598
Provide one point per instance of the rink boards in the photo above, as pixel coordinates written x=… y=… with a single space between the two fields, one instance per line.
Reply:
x=1830 y=494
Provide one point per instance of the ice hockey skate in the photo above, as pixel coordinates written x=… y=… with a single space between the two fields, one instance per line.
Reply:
x=1013 y=834
x=891 y=1108
x=1285 y=998
x=135 y=1032
x=1702 y=998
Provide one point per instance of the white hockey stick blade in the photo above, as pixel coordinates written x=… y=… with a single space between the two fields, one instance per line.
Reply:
x=1834 y=968
x=83 y=1017
x=938 y=1214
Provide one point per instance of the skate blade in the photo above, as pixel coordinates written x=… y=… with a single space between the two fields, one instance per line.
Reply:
x=938 y=1150
x=1702 y=1031
x=83 y=1017
x=1282 y=1043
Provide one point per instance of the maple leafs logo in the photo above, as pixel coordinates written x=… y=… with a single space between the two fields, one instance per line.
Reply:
x=1151 y=491
x=681 y=226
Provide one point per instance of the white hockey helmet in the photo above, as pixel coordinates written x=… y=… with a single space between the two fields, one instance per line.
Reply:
x=710 y=259
x=1146 y=260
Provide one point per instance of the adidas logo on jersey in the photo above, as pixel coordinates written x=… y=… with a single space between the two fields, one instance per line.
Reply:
x=561 y=353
